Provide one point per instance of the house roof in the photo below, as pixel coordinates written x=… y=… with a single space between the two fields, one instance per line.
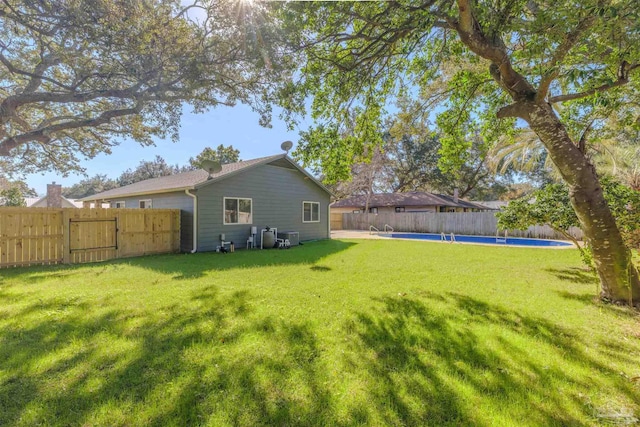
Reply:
x=30 y=201
x=464 y=203
x=393 y=199
x=495 y=204
x=190 y=180
x=414 y=198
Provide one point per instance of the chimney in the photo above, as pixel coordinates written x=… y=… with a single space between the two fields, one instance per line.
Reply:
x=54 y=195
x=455 y=195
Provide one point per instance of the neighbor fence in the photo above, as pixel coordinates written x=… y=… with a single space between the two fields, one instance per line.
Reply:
x=470 y=223
x=30 y=236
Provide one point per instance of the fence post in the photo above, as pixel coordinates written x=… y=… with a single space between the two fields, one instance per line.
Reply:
x=66 y=254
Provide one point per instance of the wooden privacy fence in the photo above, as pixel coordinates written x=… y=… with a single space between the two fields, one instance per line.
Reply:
x=471 y=223
x=30 y=236
x=336 y=221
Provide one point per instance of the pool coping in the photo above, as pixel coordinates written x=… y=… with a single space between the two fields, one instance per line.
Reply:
x=363 y=234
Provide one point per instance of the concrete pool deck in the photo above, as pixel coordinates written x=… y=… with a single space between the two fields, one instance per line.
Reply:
x=353 y=234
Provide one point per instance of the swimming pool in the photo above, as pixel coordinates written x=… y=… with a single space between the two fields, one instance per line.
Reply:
x=509 y=241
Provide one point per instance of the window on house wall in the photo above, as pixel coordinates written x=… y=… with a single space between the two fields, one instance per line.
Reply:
x=399 y=208
x=238 y=211
x=373 y=210
x=357 y=211
x=310 y=212
x=145 y=204
x=120 y=204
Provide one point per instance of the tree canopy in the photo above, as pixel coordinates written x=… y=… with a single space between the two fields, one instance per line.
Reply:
x=77 y=77
x=221 y=154
x=148 y=169
x=12 y=196
x=89 y=186
x=489 y=67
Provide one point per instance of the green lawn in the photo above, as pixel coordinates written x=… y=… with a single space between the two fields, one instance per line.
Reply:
x=331 y=333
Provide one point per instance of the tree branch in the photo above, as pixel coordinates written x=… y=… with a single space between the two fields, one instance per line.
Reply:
x=36 y=76
x=38 y=73
x=495 y=50
x=563 y=49
x=513 y=110
x=43 y=135
x=623 y=79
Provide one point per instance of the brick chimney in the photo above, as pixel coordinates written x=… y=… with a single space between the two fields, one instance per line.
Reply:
x=54 y=195
x=455 y=195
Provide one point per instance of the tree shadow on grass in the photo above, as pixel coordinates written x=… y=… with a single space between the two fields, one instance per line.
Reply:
x=190 y=266
x=181 y=366
x=585 y=298
x=456 y=360
x=575 y=274
x=433 y=359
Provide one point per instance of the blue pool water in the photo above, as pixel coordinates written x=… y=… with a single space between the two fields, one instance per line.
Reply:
x=512 y=241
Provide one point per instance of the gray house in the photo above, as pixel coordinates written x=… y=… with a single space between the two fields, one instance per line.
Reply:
x=270 y=192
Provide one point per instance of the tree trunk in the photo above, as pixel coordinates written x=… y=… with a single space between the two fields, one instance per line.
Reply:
x=618 y=276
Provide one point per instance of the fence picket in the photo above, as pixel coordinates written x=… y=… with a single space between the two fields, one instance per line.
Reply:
x=30 y=236
x=470 y=223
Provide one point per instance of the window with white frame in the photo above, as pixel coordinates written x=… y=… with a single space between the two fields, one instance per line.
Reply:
x=145 y=204
x=120 y=204
x=310 y=212
x=373 y=210
x=399 y=209
x=238 y=210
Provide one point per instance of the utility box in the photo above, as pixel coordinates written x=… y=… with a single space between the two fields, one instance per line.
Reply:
x=293 y=236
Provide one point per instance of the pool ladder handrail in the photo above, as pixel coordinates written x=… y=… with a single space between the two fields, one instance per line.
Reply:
x=443 y=237
x=501 y=240
x=371 y=228
x=387 y=226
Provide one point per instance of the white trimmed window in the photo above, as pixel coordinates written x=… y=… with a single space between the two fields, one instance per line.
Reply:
x=120 y=204
x=373 y=210
x=238 y=211
x=145 y=204
x=310 y=212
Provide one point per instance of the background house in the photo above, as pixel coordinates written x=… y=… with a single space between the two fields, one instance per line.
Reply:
x=271 y=191
x=53 y=199
x=416 y=201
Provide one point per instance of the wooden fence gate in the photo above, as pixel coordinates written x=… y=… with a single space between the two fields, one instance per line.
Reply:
x=31 y=236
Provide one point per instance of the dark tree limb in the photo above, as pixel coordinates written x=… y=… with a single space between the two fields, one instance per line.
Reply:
x=516 y=110
x=493 y=49
x=623 y=78
x=43 y=135
x=552 y=66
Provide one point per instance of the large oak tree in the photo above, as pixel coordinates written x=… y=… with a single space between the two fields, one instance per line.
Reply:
x=557 y=67
x=78 y=76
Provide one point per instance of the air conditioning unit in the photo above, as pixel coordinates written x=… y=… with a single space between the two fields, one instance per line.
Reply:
x=292 y=236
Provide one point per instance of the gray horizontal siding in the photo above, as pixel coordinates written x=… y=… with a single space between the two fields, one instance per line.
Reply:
x=172 y=200
x=277 y=194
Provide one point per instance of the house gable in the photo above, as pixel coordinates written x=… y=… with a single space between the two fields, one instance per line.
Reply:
x=277 y=194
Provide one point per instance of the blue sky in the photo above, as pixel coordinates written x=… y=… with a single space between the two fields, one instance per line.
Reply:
x=237 y=126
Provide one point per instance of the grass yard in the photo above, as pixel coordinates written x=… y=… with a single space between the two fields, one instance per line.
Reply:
x=333 y=333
